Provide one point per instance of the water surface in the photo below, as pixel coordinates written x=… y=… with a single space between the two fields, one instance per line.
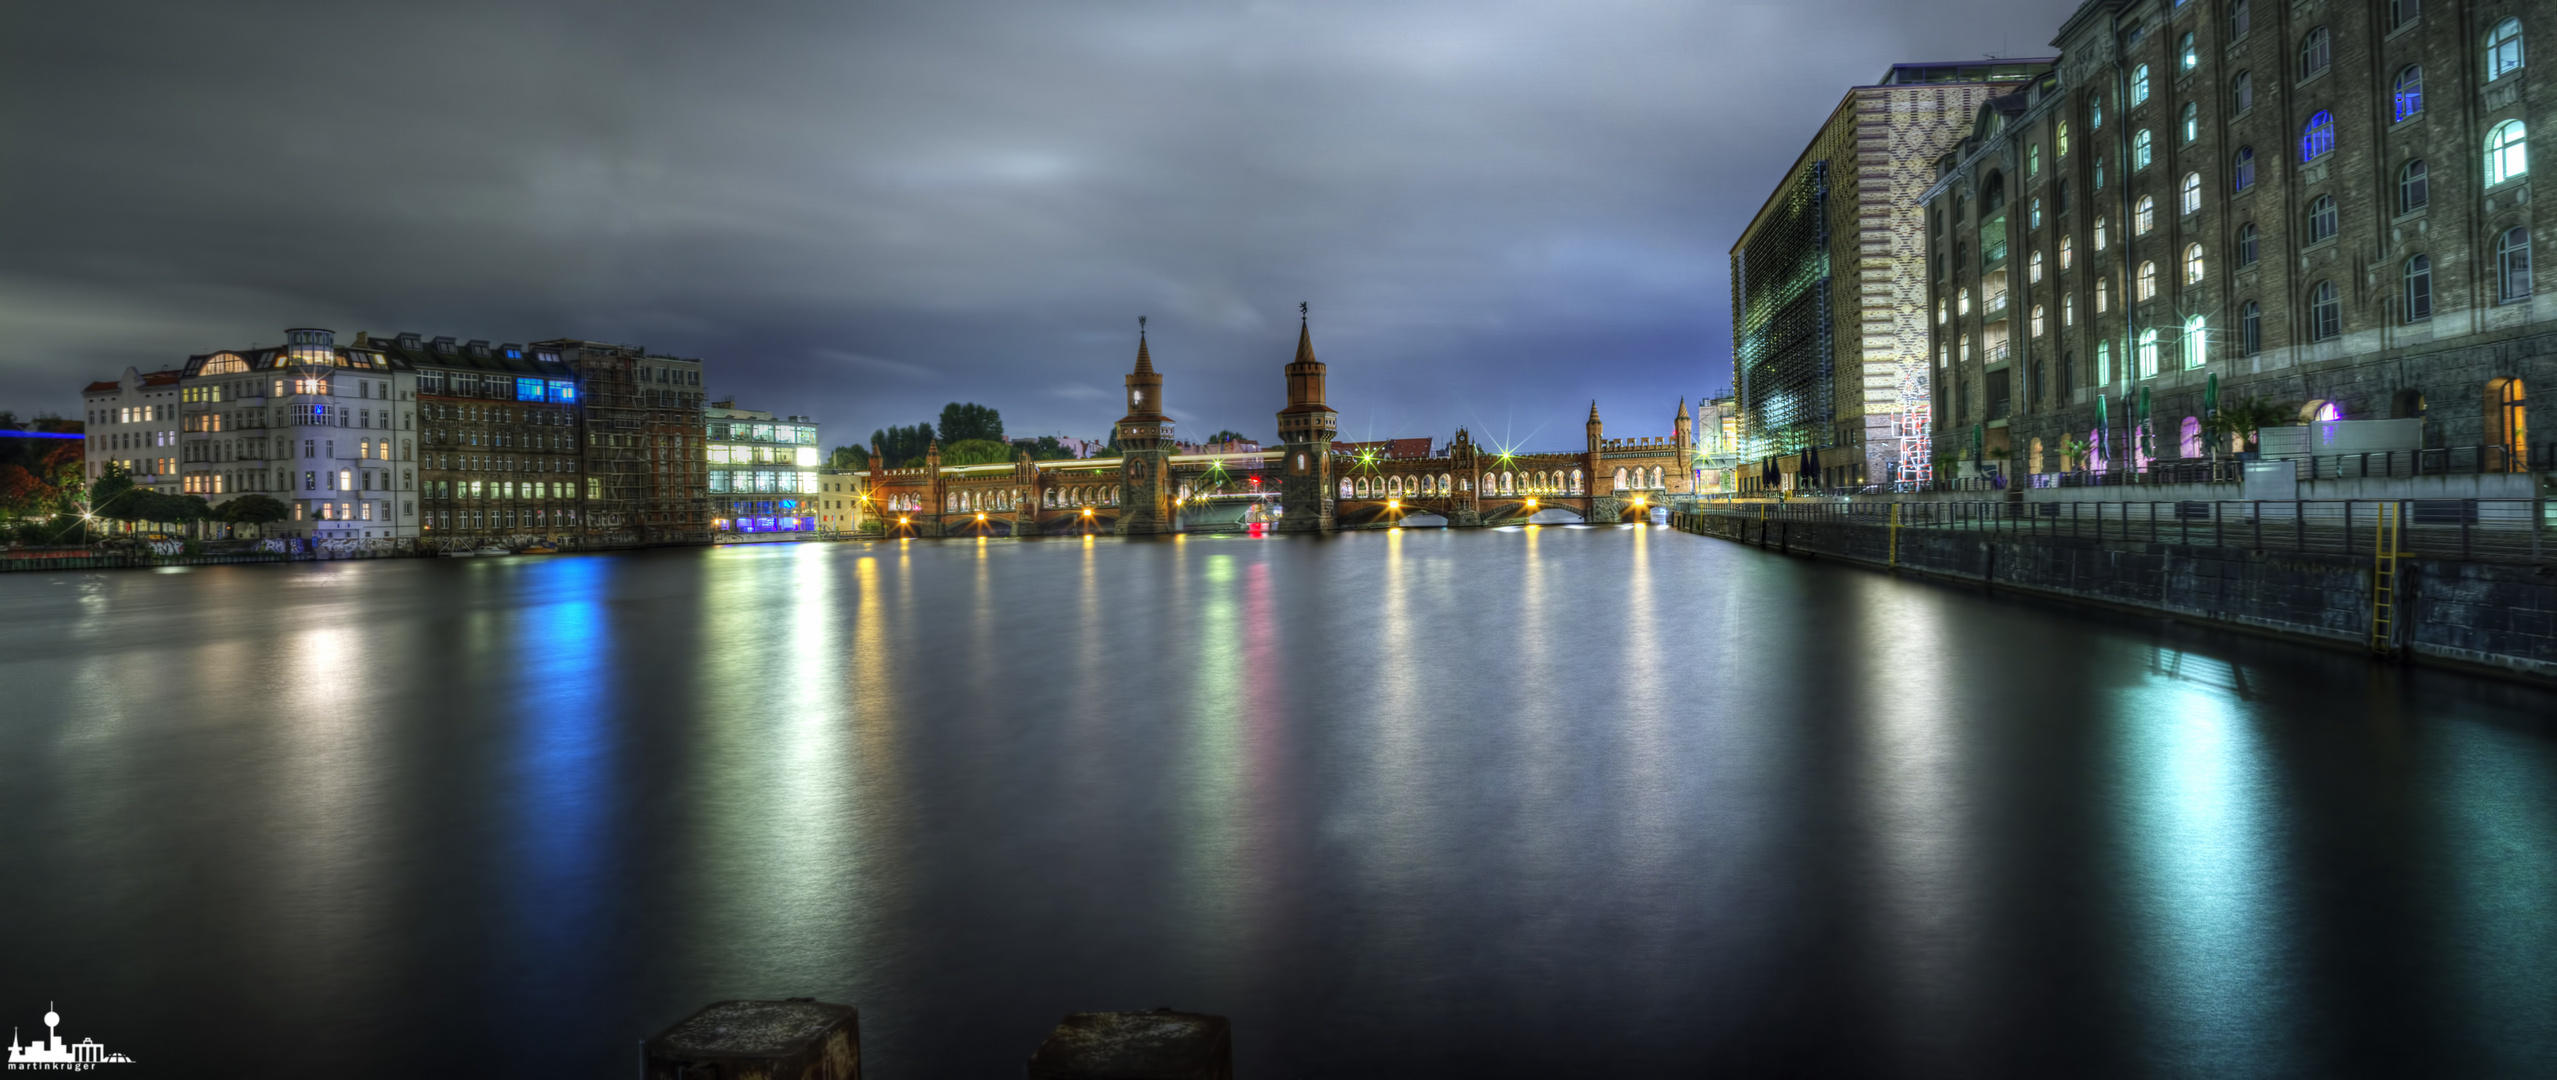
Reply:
x=1542 y=802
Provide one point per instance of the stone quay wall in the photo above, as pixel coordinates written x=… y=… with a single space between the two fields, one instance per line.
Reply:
x=2500 y=617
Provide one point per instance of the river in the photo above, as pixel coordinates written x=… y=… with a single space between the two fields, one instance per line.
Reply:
x=1543 y=801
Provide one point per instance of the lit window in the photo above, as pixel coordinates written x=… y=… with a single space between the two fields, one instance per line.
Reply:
x=2147 y=280
x=2139 y=84
x=2066 y=257
x=2103 y=362
x=2192 y=198
x=2033 y=213
x=2407 y=101
x=2099 y=234
x=2317 y=50
x=2094 y=113
x=2187 y=53
x=2414 y=188
x=2103 y=295
x=2196 y=342
x=2507 y=152
x=2503 y=49
x=2192 y=263
x=2192 y=121
x=2140 y=149
x=2032 y=269
x=1962 y=302
x=2419 y=288
x=2060 y=140
x=2148 y=353
x=2325 y=311
x=2033 y=160
x=2318 y=139
x=2068 y=311
x=2037 y=320
x=2143 y=216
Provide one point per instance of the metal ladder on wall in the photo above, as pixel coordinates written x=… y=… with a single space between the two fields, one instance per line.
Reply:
x=2384 y=580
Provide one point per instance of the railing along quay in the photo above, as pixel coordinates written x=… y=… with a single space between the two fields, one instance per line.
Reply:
x=2494 y=530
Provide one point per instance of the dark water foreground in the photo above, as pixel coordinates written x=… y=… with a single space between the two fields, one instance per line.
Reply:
x=1544 y=802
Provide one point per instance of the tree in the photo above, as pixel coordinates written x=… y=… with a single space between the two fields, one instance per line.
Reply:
x=113 y=496
x=253 y=510
x=975 y=452
x=903 y=447
x=1043 y=448
x=1231 y=435
x=2245 y=420
x=970 y=421
x=848 y=457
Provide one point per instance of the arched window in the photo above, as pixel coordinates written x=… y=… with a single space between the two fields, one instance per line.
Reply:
x=1620 y=478
x=2192 y=121
x=2318 y=139
x=2325 y=311
x=2064 y=253
x=2191 y=444
x=2507 y=417
x=1347 y=490
x=2512 y=264
x=2192 y=263
x=2139 y=84
x=2036 y=462
x=2247 y=245
x=2401 y=12
x=2033 y=160
x=2103 y=362
x=2316 y=51
x=1655 y=476
x=2103 y=295
x=1575 y=482
x=2140 y=149
x=2099 y=232
x=2419 y=288
x=2187 y=53
x=2143 y=216
x=2033 y=267
x=2060 y=139
x=2148 y=353
x=2407 y=100
x=1941 y=308
x=2242 y=175
x=1993 y=194
x=2321 y=218
x=2414 y=187
x=2242 y=92
x=2146 y=283
x=2037 y=320
x=2250 y=328
x=1962 y=301
x=1508 y=483
x=2068 y=311
x=1358 y=487
x=1394 y=487
x=2507 y=153
x=2503 y=49
x=2192 y=201
x=1491 y=485
x=1446 y=483
x=2197 y=343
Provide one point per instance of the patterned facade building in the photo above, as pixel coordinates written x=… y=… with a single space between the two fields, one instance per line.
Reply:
x=2323 y=207
x=647 y=466
x=1829 y=335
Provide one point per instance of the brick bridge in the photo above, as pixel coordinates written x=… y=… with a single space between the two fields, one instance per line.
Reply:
x=1308 y=484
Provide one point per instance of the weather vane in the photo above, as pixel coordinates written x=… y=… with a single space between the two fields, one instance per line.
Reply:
x=1140 y=326
x=1300 y=311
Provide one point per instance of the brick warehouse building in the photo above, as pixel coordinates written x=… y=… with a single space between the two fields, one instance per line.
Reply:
x=1828 y=290
x=2325 y=205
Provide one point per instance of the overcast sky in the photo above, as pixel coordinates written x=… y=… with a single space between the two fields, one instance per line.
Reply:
x=860 y=211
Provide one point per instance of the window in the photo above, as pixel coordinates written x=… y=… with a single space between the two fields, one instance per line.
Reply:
x=2401 y=12
x=2413 y=188
x=2037 y=320
x=2060 y=196
x=2419 y=288
x=2103 y=362
x=2103 y=295
x=2512 y=264
x=2148 y=353
x=2507 y=153
x=1962 y=302
x=2316 y=51
x=2033 y=268
x=2068 y=311
x=2197 y=336
x=2246 y=244
x=2242 y=92
x=2243 y=176
x=2192 y=121
x=2192 y=263
x=2250 y=329
x=2095 y=112
x=2407 y=101
x=2033 y=213
x=2321 y=219
x=2146 y=283
x=2065 y=257
x=2140 y=149
x=2143 y=216
x=2139 y=84
x=2325 y=311
x=2192 y=199
x=2060 y=140
x=2503 y=49
x=2099 y=234
x=2318 y=139
x=2187 y=53
x=1939 y=311
x=2237 y=19
x=2033 y=160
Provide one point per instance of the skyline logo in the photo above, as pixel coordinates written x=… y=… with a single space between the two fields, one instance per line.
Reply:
x=52 y=1054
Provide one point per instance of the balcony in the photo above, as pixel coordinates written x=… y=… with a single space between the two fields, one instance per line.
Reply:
x=1995 y=306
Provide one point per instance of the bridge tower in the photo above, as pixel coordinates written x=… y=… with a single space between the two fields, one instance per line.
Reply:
x=1306 y=428
x=1465 y=510
x=1602 y=485
x=1145 y=445
x=1683 y=439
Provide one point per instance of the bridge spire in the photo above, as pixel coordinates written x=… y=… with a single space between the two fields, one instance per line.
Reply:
x=1144 y=363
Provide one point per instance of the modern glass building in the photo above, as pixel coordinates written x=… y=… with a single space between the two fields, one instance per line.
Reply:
x=763 y=473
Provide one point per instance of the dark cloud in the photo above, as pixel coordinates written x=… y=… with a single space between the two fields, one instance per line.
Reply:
x=861 y=211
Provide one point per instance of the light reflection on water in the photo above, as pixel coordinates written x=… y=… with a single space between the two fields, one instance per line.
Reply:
x=1554 y=800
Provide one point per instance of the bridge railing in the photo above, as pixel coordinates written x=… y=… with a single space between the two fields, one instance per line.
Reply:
x=2497 y=530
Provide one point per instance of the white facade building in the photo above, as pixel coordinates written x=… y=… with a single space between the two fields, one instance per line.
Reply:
x=329 y=430
x=133 y=421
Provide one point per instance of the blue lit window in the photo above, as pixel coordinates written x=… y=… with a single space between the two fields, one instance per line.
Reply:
x=2409 y=97
x=528 y=389
x=562 y=391
x=2319 y=140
